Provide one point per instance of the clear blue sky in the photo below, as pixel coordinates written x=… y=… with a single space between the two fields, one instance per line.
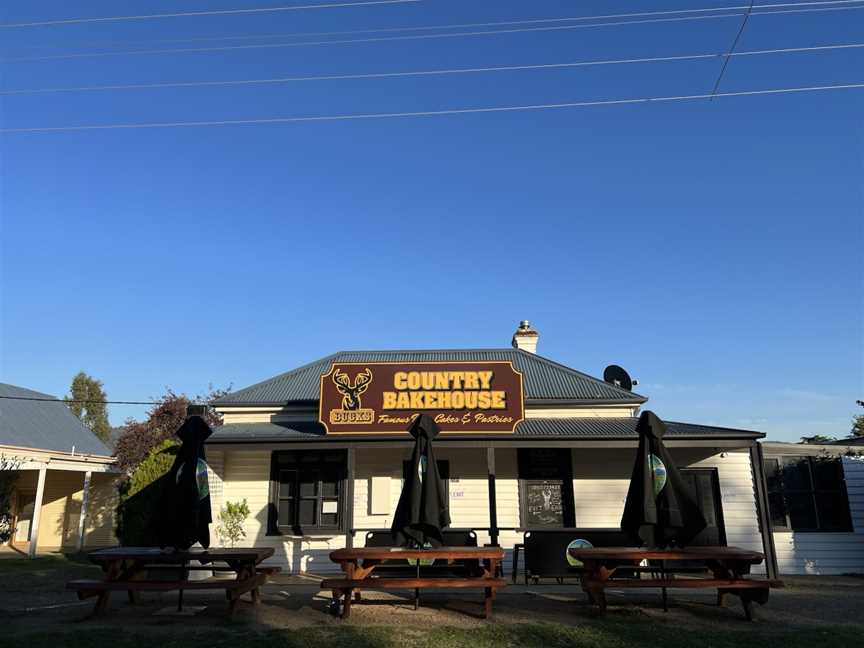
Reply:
x=712 y=248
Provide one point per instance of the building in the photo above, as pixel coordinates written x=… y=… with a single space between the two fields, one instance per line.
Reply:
x=816 y=504
x=318 y=452
x=64 y=492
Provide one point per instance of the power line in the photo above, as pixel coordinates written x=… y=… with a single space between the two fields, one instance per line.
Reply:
x=419 y=73
x=195 y=14
x=61 y=402
x=224 y=48
x=428 y=113
x=732 y=48
x=641 y=14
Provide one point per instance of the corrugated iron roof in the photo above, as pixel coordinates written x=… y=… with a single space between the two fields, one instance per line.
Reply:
x=607 y=428
x=543 y=379
x=44 y=425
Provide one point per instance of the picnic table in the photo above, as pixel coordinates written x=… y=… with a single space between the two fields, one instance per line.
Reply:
x=481 y=566
x=132 y=569
x=728 y=566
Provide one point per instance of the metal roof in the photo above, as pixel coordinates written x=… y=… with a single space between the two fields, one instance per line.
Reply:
x=605 y=428
x=543 y=379
x=44 y=425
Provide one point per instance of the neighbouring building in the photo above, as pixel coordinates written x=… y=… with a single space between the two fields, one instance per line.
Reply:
x=319 y=452
x=64 y=493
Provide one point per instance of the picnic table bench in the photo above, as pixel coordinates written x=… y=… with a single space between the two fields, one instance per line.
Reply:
x=729 y=567
x=481 y=566
x=132 y=568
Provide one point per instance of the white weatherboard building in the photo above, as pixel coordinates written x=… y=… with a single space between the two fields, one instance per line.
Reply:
x=566 y=464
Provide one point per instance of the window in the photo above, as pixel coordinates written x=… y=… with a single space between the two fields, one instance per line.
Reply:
x=546 y=488
x=306 y=491
x=807 y=494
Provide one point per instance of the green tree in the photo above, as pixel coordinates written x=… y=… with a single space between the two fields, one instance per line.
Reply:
x=87 y=399
x=231 y=520
x=816 y=439
x=857 y=424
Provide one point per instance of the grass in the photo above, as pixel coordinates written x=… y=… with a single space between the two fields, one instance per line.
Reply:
x=598 y=634
x=24 y=582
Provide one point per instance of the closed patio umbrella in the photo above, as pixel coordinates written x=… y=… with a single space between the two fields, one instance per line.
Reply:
x=659 y=511
x=423 y=510
x=185 y=515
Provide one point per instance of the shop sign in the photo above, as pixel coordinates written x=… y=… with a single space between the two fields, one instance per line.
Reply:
x=384 y=398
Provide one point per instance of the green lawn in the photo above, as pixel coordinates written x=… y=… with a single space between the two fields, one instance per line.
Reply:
x=26 y=583
x=599 y=634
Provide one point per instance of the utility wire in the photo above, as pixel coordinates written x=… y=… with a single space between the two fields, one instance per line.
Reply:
x=101 y=402
x=427 y=113
x=732 y=48
x=225 y=48
x=194 y=14
x=640 y=14
x=421 y=73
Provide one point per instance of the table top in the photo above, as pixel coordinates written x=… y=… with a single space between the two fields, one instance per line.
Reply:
x=399 y=553
x=687 y=553
x=157 y=555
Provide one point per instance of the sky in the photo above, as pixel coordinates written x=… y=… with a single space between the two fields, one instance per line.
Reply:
x=712 y=248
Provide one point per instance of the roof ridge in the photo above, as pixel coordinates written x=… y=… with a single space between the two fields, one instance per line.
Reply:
x=584 y=375
x=276 y=377
x=30 y=391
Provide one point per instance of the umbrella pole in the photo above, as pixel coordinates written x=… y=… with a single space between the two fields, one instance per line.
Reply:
x=417 y=589
x=180 y=595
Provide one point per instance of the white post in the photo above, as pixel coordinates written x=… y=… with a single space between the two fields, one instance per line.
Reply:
x=85 y=499
x=37 y=511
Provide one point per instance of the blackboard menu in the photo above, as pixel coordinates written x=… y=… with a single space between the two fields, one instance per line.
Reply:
x=544 y=504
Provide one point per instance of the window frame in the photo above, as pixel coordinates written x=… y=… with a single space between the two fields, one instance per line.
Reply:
x=321 y=468
x=813 y=493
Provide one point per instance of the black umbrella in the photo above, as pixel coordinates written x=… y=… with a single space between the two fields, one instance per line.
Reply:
x=423 y=509
x=185 y=516
x=659 y=510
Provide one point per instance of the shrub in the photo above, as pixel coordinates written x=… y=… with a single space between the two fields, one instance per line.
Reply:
x=140 y=496
x=231 y=520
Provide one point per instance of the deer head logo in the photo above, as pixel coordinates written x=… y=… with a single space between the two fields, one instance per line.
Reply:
x=351 y=393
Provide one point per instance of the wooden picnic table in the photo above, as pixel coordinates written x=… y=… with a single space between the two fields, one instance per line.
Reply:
x=729 y=567
x=128 y=568
x=359 y=567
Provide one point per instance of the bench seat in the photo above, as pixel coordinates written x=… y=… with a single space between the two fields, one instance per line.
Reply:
x=413 y=583
x=693 y=583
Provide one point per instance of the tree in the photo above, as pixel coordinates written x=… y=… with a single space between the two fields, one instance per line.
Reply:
x=87 y=399
x=231 y=520
x=816 y=439
x=857 y=424
x=139 y=438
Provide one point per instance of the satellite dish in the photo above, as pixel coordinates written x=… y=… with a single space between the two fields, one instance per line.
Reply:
x=615 y=375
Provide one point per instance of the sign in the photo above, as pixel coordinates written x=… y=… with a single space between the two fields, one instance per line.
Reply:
x=386 y=397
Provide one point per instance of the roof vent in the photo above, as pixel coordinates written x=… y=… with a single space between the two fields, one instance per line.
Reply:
x=525 y=337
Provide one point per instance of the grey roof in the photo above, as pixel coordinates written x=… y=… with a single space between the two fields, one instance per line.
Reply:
x=542 y=378
x=44 y=425
x=606 y=428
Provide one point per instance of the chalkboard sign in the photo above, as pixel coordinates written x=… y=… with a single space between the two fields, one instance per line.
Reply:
x=544 y=505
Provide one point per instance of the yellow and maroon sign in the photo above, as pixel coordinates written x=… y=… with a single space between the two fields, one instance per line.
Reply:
x=385 y=397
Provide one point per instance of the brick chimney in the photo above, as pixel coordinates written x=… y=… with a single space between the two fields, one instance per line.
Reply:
x=525 y=337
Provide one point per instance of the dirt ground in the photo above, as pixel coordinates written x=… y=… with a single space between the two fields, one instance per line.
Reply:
x=33 y=597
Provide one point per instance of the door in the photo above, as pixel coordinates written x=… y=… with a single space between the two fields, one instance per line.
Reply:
x=24 y=516
x=704 y=486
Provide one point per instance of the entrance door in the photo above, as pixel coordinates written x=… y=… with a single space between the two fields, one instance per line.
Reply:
x=24 y=516
x=704 y=485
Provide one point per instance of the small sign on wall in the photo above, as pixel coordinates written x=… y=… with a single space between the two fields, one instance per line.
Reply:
x=379 y=495
x=329 y=507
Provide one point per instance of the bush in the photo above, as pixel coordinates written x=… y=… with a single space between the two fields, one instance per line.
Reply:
x=231 y=520
x=140 y=496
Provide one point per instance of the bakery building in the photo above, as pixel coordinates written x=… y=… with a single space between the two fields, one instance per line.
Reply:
x=319 y=454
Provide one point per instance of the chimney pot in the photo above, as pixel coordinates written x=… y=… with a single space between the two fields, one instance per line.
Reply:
x=525 y=337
